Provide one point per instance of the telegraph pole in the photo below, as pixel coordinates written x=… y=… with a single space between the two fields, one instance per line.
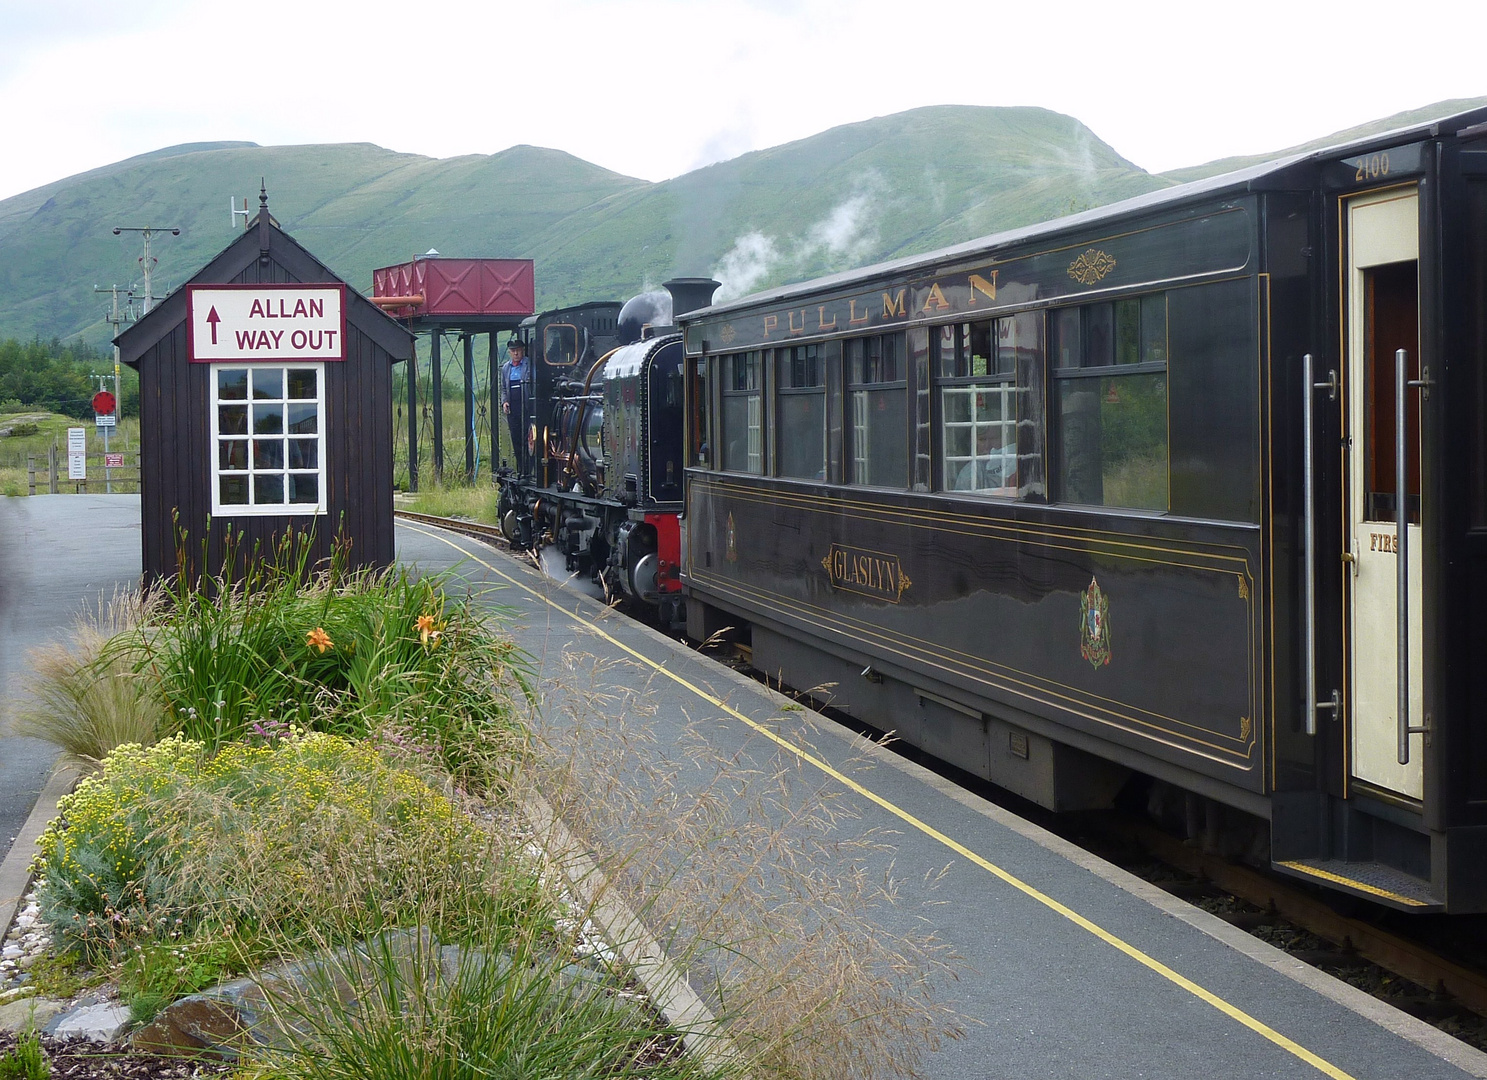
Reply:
x=115 y=319
x=147 y=262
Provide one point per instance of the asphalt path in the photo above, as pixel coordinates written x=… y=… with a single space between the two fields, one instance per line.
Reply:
x=60 y=555
x=1073 y=967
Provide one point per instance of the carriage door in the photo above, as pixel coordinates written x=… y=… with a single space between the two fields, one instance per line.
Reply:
x=1383 y=317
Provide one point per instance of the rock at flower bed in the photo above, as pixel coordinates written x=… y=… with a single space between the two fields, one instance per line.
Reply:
x=292 y=1000
x=102 y=1022
x=193 y=1025
x=27 y=1013
x=270 y=1007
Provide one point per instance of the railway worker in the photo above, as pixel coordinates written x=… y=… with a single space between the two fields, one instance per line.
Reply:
x=516 y=382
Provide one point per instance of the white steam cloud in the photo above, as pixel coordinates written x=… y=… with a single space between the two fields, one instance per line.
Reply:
x=845 y=236
x=746 y=264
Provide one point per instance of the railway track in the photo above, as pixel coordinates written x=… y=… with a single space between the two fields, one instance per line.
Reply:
x=1403 y=968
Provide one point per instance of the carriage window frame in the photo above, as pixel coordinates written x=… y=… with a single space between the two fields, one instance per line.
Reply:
x=794 y=365
x=742 y=381
x=959 y=369
x=872 y=376
x=225 y=442
x=1121 y=345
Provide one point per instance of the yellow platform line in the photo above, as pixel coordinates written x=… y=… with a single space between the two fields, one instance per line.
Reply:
x=1232 y=1011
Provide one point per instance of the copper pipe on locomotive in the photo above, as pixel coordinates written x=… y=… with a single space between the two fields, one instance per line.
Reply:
x=576 y=441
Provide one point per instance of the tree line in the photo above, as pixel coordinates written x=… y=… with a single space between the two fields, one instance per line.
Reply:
x=56 y=377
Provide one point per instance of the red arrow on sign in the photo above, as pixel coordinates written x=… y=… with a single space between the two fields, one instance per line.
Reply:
x=213 y=319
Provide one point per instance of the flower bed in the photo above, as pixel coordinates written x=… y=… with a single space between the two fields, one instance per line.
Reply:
x=318 y=768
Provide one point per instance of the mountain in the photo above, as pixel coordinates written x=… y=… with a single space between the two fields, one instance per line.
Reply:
x=894 y=185
x=1362 y=131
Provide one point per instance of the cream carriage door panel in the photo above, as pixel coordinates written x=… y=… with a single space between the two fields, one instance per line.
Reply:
x=1382 y=316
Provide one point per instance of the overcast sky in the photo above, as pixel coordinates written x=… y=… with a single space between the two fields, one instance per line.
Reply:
x=654 y=88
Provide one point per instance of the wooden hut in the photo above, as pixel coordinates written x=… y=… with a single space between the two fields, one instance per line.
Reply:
x=265 y=410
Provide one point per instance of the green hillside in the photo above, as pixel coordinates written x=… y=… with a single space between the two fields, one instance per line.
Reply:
x=854 y=194
x=891 y=186
x=1362 y=131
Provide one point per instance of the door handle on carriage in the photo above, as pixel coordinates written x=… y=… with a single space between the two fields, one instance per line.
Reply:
x=1402 y=382
x=1309 y=539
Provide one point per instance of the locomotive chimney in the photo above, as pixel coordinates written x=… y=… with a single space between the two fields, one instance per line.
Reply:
x=690 y=293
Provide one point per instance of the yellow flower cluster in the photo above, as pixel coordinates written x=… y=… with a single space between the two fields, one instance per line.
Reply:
x=267 y=792
x=105 y=807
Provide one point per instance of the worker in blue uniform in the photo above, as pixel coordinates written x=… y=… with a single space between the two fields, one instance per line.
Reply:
x=516 y=385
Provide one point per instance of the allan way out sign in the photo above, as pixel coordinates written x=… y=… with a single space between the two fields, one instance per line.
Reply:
x=266 y=322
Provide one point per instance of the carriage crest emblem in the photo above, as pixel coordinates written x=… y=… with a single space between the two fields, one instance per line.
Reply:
x=1094 y=625
x=731 y=551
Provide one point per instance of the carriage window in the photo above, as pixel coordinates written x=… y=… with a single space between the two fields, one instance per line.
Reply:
x=743 y=413
x=801 y=412
x=1111 y=387
x=697 y=394
x=877 y=417
x=988 y=375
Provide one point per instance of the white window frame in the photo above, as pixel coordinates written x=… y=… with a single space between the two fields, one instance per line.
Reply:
x=285 y=509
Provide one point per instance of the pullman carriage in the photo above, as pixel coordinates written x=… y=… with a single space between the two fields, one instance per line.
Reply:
x=1188 y=488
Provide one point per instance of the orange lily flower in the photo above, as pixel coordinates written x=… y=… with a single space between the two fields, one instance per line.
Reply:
x=319 y=639
x=426 y=631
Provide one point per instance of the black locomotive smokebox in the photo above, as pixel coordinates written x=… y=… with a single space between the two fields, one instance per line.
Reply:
x=647 y=309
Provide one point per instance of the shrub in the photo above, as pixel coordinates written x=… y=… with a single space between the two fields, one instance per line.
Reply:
x=511 y=1006
x=25 y=1061
x=257 y=845
x=365 y=653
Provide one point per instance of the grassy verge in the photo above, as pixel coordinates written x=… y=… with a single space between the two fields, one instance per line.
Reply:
x=30 y=434
x=475 y=502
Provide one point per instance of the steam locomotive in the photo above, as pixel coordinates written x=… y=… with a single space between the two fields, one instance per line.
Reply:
x=600 y=479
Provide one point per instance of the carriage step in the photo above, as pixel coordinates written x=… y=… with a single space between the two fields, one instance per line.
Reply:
x=1371 y=880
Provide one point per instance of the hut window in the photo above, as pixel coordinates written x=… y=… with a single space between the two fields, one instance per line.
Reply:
x=268 y=433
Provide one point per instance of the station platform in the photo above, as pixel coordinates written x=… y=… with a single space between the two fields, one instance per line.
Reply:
x=60 y=556
x=1073 y=967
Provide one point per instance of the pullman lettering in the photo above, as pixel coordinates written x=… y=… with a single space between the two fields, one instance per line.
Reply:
x=870 y=573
